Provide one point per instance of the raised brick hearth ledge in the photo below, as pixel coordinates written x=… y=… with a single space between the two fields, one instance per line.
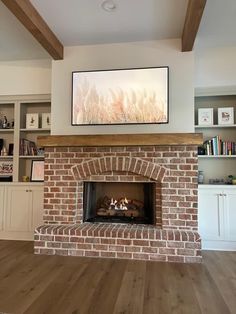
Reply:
x=119 y=241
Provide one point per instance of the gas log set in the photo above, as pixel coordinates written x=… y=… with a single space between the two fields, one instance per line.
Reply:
x=121 y=207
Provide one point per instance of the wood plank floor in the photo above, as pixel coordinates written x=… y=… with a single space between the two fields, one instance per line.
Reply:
x=35 y=284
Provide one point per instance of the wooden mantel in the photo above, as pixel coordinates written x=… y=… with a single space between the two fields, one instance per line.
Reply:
x=120 y=140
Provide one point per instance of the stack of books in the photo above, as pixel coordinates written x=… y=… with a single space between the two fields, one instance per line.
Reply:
x=216 y=146
x=27 y=148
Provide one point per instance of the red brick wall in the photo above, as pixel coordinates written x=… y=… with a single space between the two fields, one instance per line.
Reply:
x=173 y=168
x=174 y=238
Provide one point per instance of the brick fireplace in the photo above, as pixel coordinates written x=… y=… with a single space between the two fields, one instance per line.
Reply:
x=170 y=171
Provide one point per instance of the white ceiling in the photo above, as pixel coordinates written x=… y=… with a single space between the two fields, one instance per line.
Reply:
x=79 y=22
x=218 y=25
x=16 y=43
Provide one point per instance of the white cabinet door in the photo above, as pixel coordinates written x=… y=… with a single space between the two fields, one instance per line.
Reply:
x=18 y=209
x=230 y=214
x=1 y=206
x=24 y=208
x=37 y=206
x=210 y=214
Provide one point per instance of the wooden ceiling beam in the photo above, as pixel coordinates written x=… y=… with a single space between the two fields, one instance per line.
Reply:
x=26 y=13
x=192 y=21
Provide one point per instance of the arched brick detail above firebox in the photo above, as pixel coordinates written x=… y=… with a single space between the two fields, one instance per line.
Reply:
x=138 y=166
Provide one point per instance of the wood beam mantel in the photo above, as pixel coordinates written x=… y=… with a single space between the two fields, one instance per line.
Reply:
x=192 y=21
x=26 y=13
x=121 y=140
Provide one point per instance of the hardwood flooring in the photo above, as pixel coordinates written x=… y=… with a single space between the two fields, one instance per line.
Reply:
x=34 y=284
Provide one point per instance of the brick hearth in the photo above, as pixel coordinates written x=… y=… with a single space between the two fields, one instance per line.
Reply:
x=174 y=236
x=119 y=241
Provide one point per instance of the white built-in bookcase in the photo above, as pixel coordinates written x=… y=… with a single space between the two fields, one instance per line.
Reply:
x=216 y=167
x=15 y=108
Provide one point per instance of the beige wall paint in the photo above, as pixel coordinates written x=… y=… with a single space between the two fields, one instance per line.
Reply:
x=215 y=68
x=126 y=55
x=25 y=77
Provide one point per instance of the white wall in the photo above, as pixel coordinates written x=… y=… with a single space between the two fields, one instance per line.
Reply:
x=126 y=55
x=25 y=77
x=215 y=68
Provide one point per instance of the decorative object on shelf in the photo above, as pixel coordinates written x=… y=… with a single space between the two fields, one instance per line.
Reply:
x=6 y=168
x=205 y=116
x=40 y=151
x=4 y=123
x=232 y=179
x=11 y=149
x=216 y=181
x=126 y=96
x=226 y=115
x=201 y=150
x=32 y=121
x=37 y=171
x=25 y=178
x=200 y=177
x=4 y=151
x=46 y=120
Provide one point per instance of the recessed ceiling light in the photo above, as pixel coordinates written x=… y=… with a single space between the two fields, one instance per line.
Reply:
x=108 y=5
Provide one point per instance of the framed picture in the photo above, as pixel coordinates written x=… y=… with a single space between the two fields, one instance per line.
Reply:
x=46 y=120
x=6 y=168
x=127 y=96
x=205 y=116
x=32 y=121
x=37 y=171
x=226 y=115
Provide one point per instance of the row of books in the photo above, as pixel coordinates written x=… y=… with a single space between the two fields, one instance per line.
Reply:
x=27 y=148
x=216 y=146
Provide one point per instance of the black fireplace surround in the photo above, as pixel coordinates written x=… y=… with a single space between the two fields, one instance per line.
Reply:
x=119 y=202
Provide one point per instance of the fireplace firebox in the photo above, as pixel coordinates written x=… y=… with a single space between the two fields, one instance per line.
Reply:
x=119 y=202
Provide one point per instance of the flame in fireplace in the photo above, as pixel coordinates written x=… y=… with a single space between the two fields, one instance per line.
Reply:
x=122 y=203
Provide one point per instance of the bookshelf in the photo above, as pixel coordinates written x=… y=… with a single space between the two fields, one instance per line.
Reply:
x=217 y=166
x=216 y=126
x=15 y=109
x=216 y=156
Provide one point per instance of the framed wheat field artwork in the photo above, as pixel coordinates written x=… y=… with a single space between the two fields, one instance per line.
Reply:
x=127 y=96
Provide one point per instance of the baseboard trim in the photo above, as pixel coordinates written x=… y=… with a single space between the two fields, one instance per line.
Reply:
x=219 y=245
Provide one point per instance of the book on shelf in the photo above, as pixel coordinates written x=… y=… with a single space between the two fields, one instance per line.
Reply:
x=27 y=148
x=216 y=146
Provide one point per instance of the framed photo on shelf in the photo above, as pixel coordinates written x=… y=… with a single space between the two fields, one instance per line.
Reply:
x=6 y=168
x=226 y=115
x=46 y=120
x=37 y=171
x=32 y=121
x=6 y=171
x=205 y=116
